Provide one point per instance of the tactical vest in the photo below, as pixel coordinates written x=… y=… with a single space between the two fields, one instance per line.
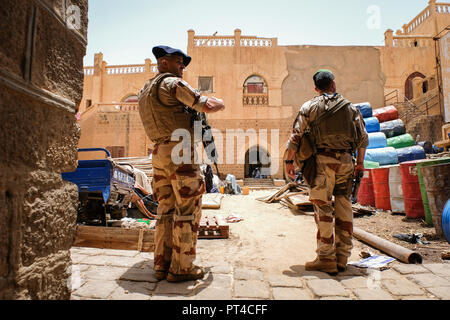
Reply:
x=333 y=125
x=161 y=120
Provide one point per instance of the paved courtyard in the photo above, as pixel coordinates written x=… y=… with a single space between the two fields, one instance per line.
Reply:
x=128 y=275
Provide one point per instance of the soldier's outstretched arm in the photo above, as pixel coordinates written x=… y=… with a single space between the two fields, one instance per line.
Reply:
x=213 y=105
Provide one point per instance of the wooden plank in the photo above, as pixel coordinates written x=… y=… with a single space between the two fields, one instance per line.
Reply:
x=114 y=238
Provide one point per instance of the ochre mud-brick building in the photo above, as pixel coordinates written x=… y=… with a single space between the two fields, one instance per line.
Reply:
x=264 y=84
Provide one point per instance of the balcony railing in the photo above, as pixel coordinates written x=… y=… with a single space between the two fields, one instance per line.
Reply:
x=442 y=8
x=88 y=71
x=256 y=42
x=412 y=41
x=127 y=69
x=231 y=41
x=124 y=69
x=432 y=8
x=206 y=41
x=255 y=99
x=117 y=107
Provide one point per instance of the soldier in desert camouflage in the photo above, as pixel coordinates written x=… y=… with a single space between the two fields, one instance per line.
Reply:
x=163 y=103
x=338 y=130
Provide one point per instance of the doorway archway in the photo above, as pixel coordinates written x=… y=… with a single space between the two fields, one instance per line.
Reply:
x=409 y=93
x=257 y=157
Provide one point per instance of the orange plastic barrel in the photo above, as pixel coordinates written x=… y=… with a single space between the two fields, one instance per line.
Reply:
x=411 y=190
x=245 y=190
x=366 y=196
x=380 y=177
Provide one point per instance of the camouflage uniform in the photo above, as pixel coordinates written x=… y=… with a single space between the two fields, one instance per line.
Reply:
x=177 y=188
x=335 y=137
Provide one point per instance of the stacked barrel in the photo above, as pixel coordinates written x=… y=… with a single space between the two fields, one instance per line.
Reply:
x=398 y=177
x=389 y=144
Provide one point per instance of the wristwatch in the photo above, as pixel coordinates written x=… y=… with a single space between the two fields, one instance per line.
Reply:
x=289 y=161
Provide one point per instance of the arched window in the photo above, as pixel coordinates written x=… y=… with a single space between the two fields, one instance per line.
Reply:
x=131 y=98
x=255 y=91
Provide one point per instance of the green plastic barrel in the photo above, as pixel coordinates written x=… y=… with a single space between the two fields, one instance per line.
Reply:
x=403 y=141
x=423 y=189
x=371 y=164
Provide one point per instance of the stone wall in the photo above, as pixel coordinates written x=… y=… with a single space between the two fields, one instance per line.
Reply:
x=429 y=128
x=41 y=83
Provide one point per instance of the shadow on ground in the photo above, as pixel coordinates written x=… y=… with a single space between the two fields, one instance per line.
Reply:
x=140 y=278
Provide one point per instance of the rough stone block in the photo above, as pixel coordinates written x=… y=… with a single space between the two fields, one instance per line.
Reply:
x=372 y=294
x=104 y=273
x=440 y=292
x=182 y=288
x=251 y=289
x=23 y=125
x=122 y=253
x=214 y=293
x=57 y=59
x=285 y=281
x=218 y=266
x=247 y=274
x=97 y=289
x=128 y=290
x=410 y=268
x=416 y=298
x=291 y=294
x=355 y=282
x=440 y=269
x=140 y=275
x=335 y=298
x=114 y=261
x=327 y=287
x=430 y=280
x=14 y=25
x=402 y=287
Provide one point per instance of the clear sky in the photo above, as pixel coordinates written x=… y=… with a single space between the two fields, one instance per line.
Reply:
x=126 y=30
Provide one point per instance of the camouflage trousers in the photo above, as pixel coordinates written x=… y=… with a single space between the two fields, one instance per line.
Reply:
x=334 y=225
x=178 y=190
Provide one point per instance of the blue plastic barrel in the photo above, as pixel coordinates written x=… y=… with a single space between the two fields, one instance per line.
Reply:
x=372 y=124
x=377 y=140
x=365 y=109
x=411 y=153
x=446 y=221
x=393 y=128
x=384 y=156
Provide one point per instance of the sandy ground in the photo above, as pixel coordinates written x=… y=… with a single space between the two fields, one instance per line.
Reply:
x=271 y=237
x=386 y=224
x=276 y=240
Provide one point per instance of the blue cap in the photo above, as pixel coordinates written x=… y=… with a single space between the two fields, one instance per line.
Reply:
x=161 y=51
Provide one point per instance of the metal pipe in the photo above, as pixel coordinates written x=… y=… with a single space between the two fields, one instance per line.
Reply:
x=399 y=252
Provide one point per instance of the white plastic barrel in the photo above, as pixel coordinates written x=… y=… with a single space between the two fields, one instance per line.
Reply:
x=395 y=189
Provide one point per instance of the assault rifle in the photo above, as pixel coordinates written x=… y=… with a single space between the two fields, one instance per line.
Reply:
x=356 y=182
x=207 y=137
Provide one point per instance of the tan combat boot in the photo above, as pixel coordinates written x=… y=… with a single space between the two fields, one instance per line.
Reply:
x=160 y=274
x=341 y=263
x=195 y=274
x=324 y=266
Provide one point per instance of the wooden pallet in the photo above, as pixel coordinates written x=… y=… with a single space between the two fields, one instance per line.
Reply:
x=213 y=227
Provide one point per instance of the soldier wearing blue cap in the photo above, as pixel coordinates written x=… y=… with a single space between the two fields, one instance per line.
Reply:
x=164 y=104
x=336 y=130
